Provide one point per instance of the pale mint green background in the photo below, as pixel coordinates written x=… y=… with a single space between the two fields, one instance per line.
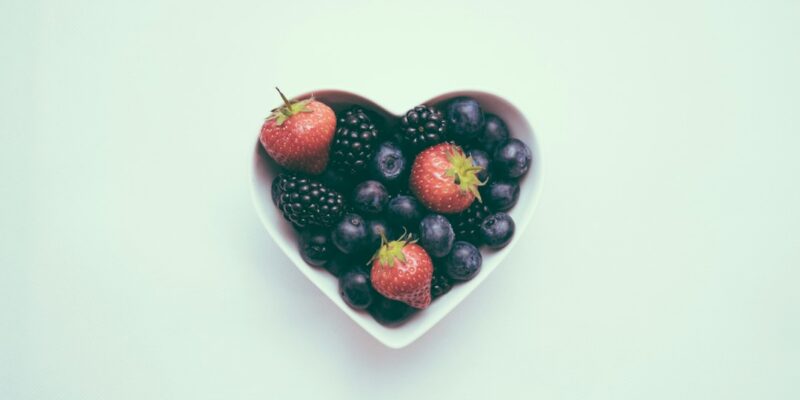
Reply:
x=662 y=262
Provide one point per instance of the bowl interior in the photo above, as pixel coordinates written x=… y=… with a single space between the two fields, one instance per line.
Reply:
x=264 y=170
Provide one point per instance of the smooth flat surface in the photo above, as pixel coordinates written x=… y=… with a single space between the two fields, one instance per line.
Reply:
x=662 y=261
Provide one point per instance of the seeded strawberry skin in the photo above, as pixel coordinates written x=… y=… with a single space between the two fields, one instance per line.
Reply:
x=409 y=281
x=302 y=142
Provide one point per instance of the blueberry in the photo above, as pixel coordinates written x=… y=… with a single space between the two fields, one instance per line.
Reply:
x=512 y=159
x=339 y=264
x=389 y=165
x=436 y=235
x=374 y=229
x=501 y=195
x=495 y=134
x=480 y=159
x=390 y=312
x=497 y=230
x=316 y=247
x=404 y=210
x=350 y=234
x=463 y=262
x=464 y=119
x=356 y=290
x=370 y=197
x=336 y=180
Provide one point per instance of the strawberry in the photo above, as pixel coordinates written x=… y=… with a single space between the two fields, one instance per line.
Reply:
x=444 y=179
x=298 y=135
x=402 y=271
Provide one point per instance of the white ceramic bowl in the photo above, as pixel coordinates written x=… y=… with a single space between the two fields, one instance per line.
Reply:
x=264 y=170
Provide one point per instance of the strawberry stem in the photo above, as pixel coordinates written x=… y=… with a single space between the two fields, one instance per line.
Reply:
x=285 y=100
x=288 y=109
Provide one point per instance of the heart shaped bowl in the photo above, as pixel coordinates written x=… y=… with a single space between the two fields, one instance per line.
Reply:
x=264 y=170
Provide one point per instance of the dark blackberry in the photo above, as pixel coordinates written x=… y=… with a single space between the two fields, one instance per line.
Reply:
x=353 y=143
x=306 y=202
x=467 y=224
x=422 y=127
x=440 y=284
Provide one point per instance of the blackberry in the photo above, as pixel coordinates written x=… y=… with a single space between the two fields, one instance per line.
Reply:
x=440 y=284
x=353 y=143
x=467 y=224
x=306 y=202
x=422 y=127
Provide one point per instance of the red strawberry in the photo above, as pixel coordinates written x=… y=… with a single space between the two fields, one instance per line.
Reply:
x=402 y=271
x=298 y=135
x=444 y=179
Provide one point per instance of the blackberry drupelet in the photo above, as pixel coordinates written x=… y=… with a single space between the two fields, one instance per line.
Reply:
x=353 y=143
x=422 y=127
x=467 y=224
x=306 y=202
x=440 y=284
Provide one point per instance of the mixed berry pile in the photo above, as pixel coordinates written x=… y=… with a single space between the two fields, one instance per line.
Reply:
x=396 y=211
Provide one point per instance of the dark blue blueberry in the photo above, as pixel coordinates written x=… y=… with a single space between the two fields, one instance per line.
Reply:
x=465 y=119
x=370 y=197
x=374 y=229
x=336 y=180
x=463 y=262
x=340 y=264
x=436 y=235
x=512 y=159
x=497 y=230
x=390 y=312
x=480 y=159
x=389 y=165
x=356 y=290
x=405 y=211
x=500 y=195
x=495 y=134
x=350 y=234
x=316 y=247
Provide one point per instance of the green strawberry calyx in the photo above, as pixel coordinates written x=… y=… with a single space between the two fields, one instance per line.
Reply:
x=289 y=108
x=392 y=250
x=464 y=172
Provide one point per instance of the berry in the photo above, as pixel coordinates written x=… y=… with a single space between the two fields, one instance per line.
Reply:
x=405 y=211
x=480 y=159
x=390 y=312
x=376 y=229
x=356 y=290
x=467 y=224
x=512 y=159
x=353 y=143
x=464 y=262
x=298 y=135
x=501 y=195
x=339 y=264
x=350 y=234
x=436 y=235
x=316 y=247
x=422 y=127
x=402 y=271
x=494 y=134
x=444 y=179
x=389 y=165
x=336 y=180
x=465 y=119
x=370 y=197
x=306 y=202
x=497 y=230
x=440 y=284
